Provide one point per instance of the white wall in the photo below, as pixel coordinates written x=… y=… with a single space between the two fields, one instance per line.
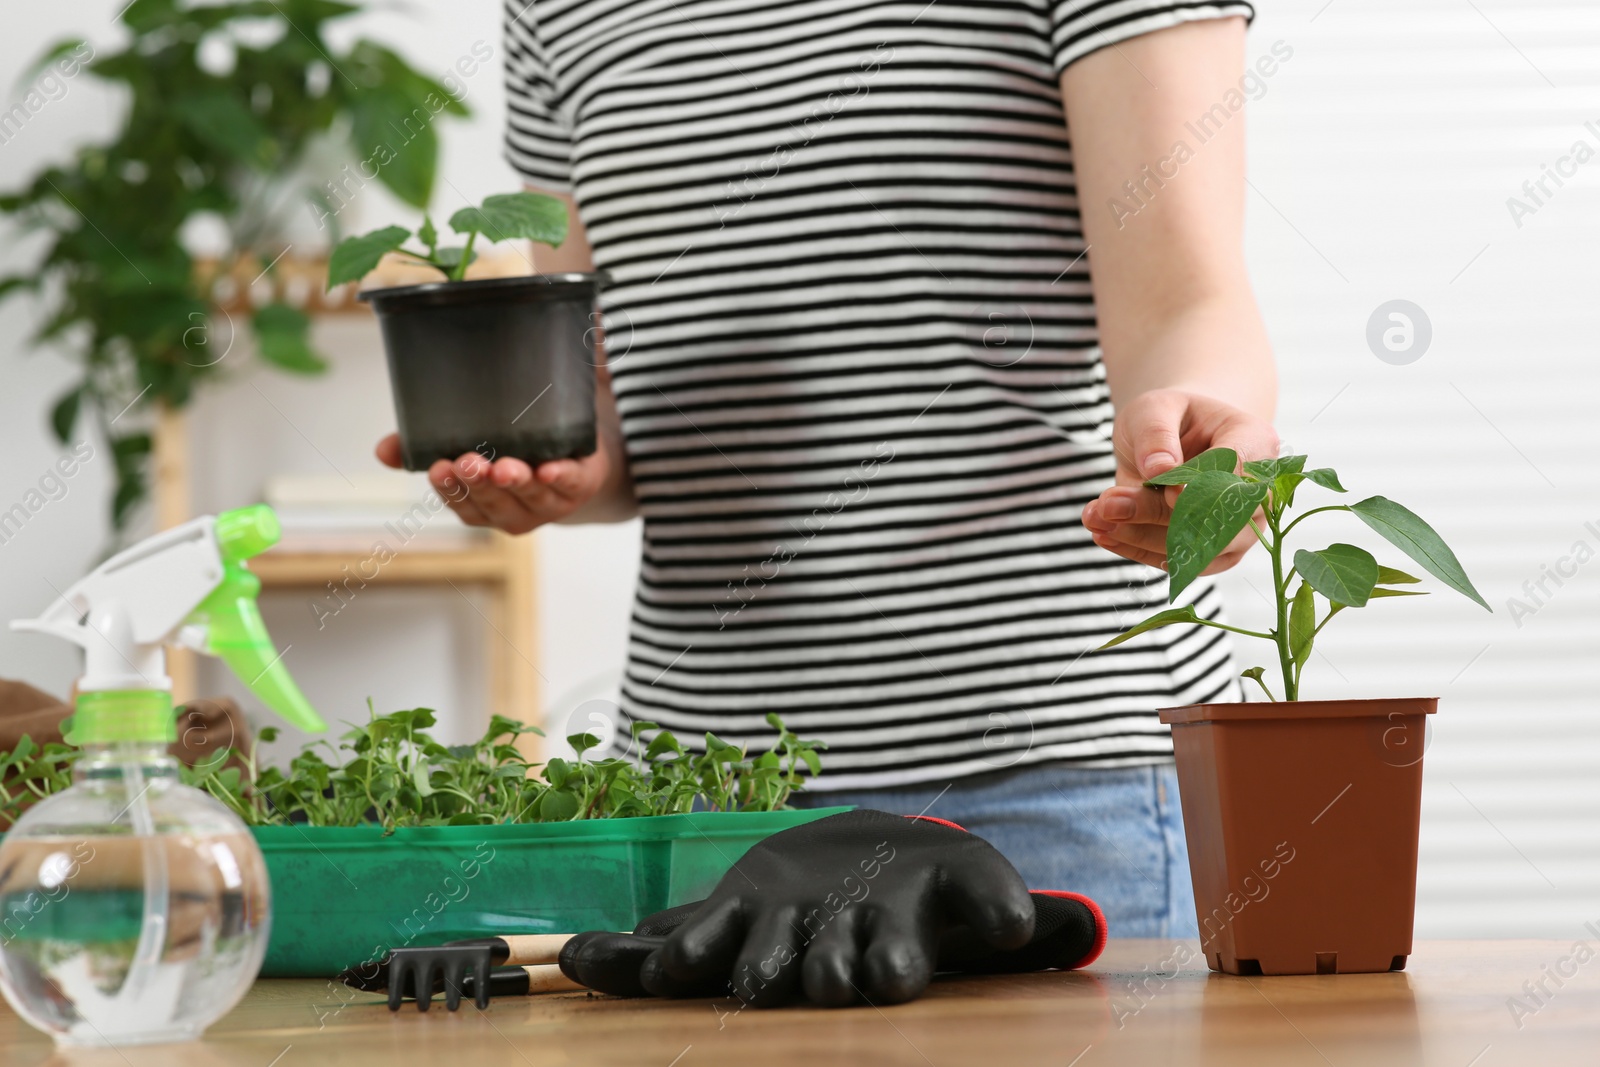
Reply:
x=1383 y=152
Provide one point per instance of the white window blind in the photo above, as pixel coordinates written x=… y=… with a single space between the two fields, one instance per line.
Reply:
x=1383 y=156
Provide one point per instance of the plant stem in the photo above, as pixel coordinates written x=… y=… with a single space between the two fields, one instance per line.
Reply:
x=1280 y=636
x=466 y=257
x=1263 y=685
x=425 y=261
x=1260 y=536
x=1233 y=629
x=1302 y=518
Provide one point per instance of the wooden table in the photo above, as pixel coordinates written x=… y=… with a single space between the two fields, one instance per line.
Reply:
x=1452 y=1007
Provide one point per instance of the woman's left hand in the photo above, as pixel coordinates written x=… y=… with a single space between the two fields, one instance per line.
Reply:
x=1157 y=431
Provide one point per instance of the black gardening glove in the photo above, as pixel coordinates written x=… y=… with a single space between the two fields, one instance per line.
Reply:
x=850 y=907
x=1068 y=932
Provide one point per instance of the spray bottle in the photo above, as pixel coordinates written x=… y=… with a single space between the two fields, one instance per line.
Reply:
x=134 y=909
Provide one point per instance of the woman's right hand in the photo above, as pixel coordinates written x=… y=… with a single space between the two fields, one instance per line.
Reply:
x=510 y=495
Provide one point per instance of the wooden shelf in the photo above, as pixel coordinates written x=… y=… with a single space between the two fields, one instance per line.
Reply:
x=240 y=286
x=287 y=566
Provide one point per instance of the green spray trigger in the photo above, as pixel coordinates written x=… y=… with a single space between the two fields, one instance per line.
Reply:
x=235 y=631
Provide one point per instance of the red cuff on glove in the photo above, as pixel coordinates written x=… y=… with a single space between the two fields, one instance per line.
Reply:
x=1101 y=932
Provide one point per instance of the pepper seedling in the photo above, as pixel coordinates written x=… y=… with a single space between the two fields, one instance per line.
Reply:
x=1216 y=503
x=508 y=216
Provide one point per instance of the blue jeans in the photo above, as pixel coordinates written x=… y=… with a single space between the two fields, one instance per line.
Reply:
x=1115 y=835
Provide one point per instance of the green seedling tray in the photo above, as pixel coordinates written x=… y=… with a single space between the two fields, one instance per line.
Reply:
x=344 y=896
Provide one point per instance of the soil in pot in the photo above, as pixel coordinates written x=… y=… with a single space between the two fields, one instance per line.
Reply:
x=1302 y=820
x=500 y=366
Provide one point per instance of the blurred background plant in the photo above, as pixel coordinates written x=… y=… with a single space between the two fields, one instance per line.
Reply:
x=237 y=115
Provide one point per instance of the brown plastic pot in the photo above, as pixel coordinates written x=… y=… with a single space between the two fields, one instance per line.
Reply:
x=1302 y=821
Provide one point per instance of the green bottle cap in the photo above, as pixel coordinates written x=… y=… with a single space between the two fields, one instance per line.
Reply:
x=246 y=532
x=105 y=716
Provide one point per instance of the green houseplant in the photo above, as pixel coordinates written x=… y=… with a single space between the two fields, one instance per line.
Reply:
x=119 y=286
x=1301 y=816
x=500 y=366
x=396 y=839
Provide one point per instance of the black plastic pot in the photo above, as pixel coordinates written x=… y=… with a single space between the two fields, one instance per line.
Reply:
x=501 y=366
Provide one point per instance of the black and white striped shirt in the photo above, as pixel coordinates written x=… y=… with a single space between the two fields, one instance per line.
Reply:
x=853 y=348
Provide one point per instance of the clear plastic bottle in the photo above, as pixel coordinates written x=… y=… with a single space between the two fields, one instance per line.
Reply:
x=133 y=909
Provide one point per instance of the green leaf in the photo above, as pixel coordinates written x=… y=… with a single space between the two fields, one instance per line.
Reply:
x=1225 y=460
x=64 y=415
x=557 y=806
x=1390 y=576
x=1345 y=574
x=356 y=257
x=661 y=744
x=16 y=283
x=419 y=778
x=1382 y=592
x=1325 y=477
x=556 y=772
x=1406 y=531
x=224 y=122
x=143 y=15
x=282 y=339
x=129 y=492
x=1302 y=624
x=1213 y=507
x=131 y=448
x=1265 y=470
x=1257 y=675
x=1160 y=618
x=450 y=258
x=501 y=726
x=582 y=743
x=534 y=216
x=395 y=130
x=426 y=233
x=45 y=58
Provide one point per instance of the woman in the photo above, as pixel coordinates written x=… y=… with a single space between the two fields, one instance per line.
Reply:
x=880 y=425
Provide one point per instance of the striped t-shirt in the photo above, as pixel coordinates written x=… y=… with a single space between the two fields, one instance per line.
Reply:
x=853 y=347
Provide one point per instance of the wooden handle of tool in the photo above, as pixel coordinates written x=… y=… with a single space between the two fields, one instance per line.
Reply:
x=549 y=980
x=534 y=949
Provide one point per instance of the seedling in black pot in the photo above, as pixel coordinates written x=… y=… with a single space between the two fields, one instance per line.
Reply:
x=498 y=366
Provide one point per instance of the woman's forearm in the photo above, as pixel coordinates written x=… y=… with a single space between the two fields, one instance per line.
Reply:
x=1172 y=294
x=1216 y=346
